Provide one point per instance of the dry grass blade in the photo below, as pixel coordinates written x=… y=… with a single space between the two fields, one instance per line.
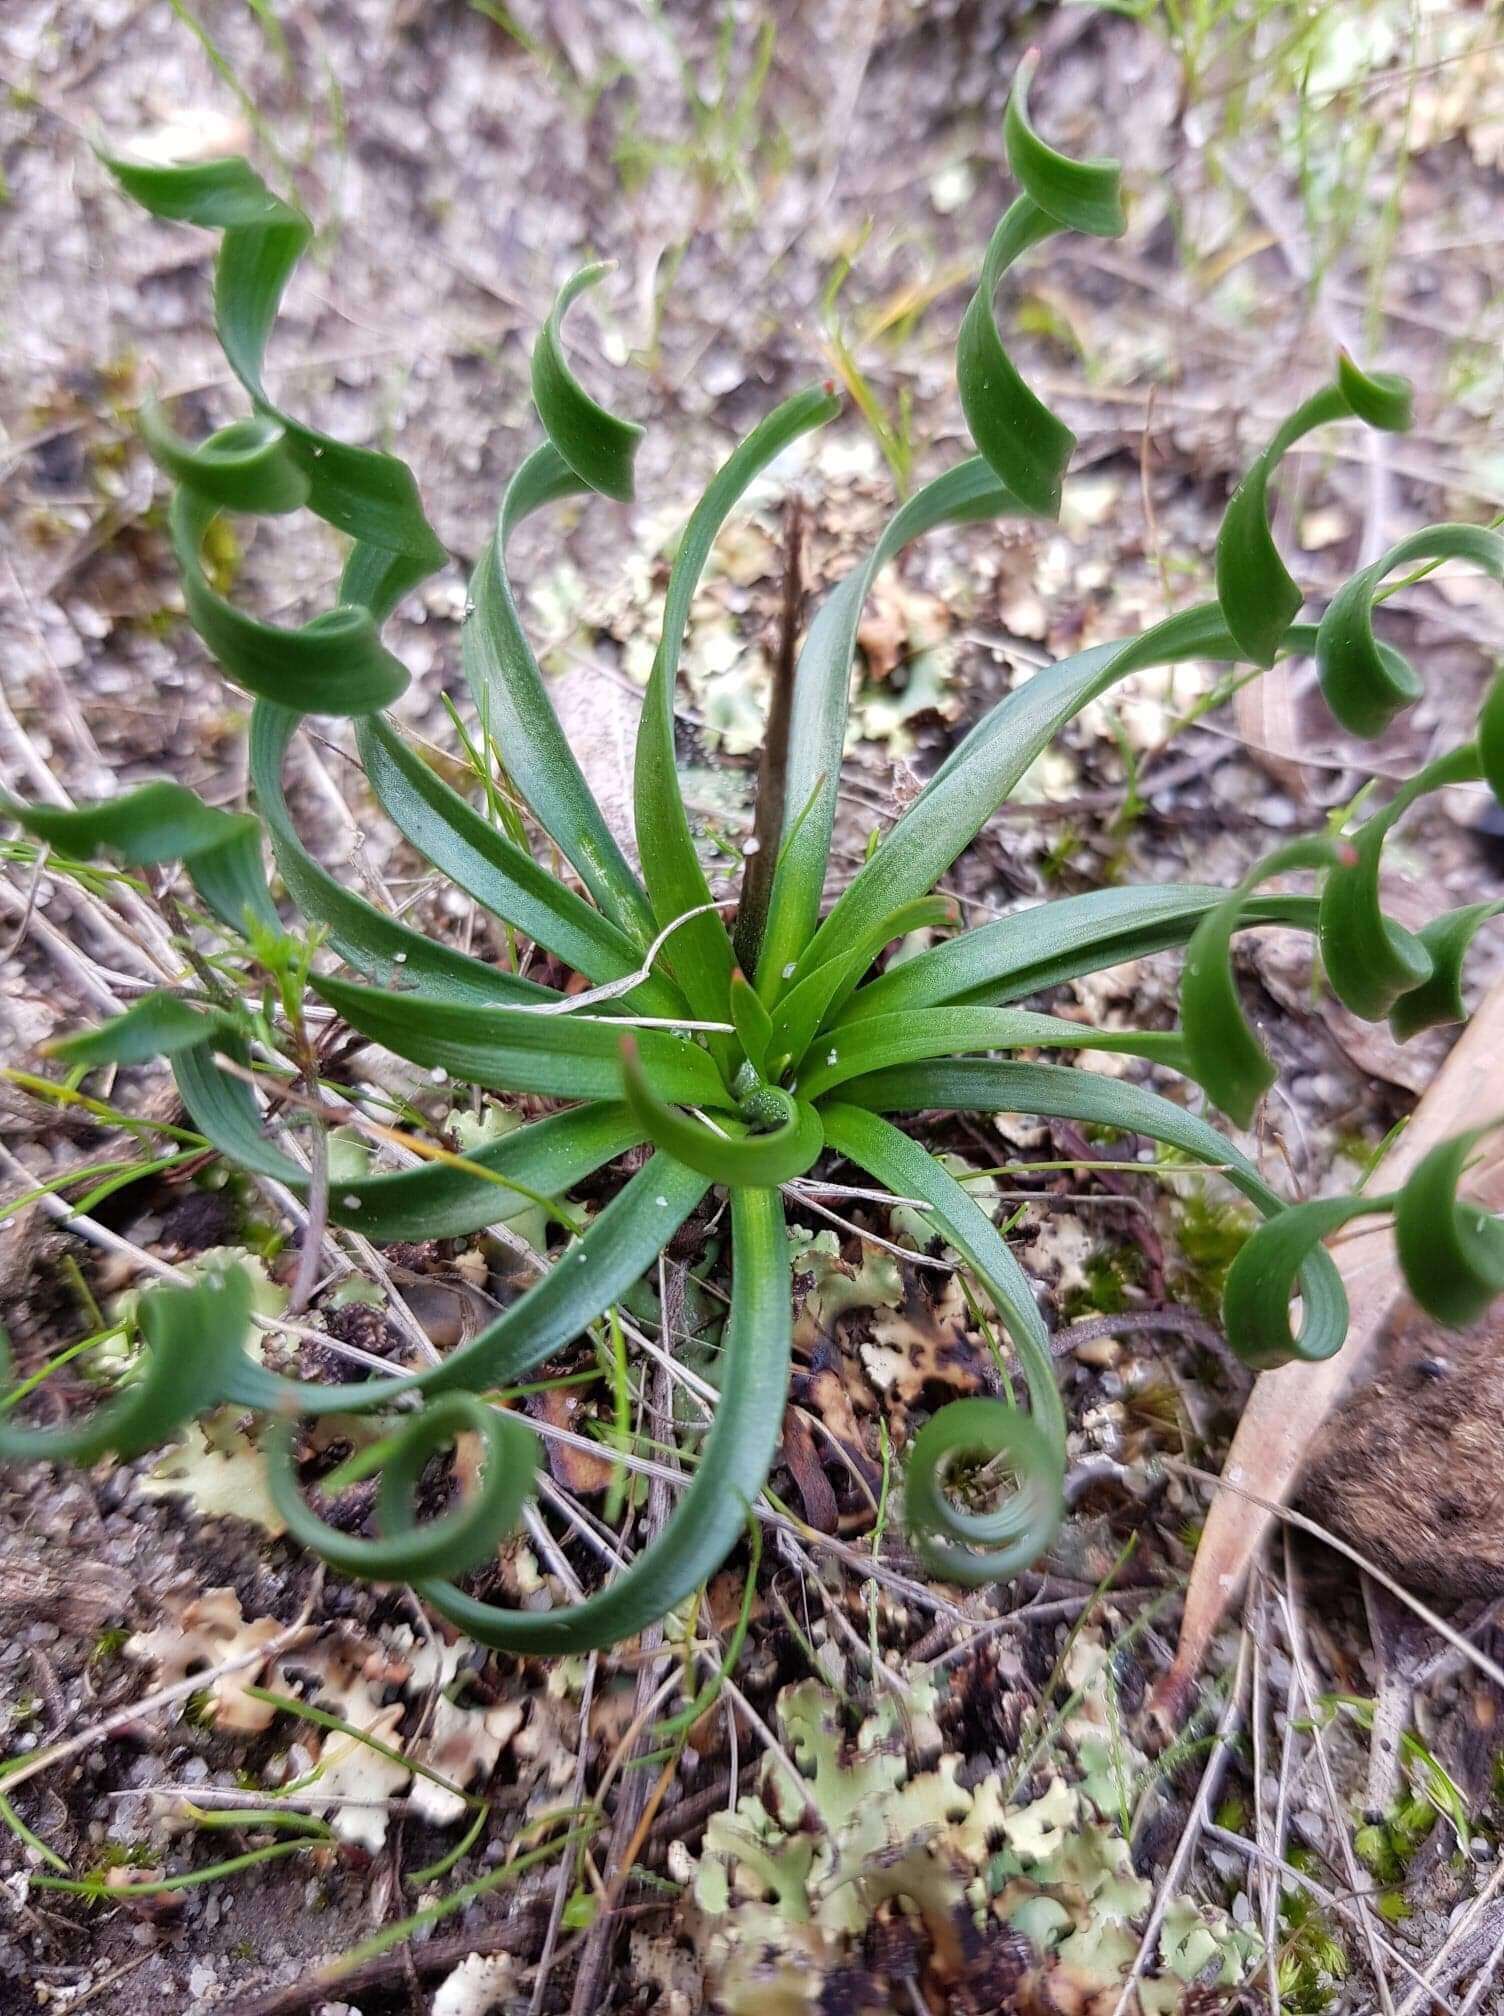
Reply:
x=1288 y=1407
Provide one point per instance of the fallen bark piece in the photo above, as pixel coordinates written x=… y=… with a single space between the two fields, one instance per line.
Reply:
x=1287 y=1409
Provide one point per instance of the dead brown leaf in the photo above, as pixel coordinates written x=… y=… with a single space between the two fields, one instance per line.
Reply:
x=1287 y=1408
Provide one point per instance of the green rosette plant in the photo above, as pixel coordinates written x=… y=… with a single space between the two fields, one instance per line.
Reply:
x=738 y=1050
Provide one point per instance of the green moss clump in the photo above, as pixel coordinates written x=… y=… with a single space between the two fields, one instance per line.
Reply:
x=1210 y=1236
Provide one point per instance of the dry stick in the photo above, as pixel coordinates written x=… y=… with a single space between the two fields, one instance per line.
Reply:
x=1268 y=1886
x=566 y=1862
x=1416 y=2001
x=1486 y=1974
x=1350 y=1861
x=1287 y=1408
x=632 y=1802
x=1196 y=1820
x=761 y=851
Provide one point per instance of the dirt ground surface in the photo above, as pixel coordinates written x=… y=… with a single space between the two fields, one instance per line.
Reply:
x=460 y=161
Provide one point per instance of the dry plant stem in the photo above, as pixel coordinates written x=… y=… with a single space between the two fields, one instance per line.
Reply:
x=1355 y=1878
x=1396 y=1676
x=1196 y=1820
x=772 y=769
x=566 y=1865
x=1418 y=2002
x=121 y=1718
x=634 y=1811
x=1268 y=1885
x=1486 y=1975
x=315 y=1225
x=1287 y=1408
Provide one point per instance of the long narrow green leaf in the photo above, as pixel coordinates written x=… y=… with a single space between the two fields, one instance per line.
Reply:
x=498 y=873
x=440 y=1200
x=975 y=779
x=700 y=953
x=822 y=702
x=158 y=1025
x=510 y=1050
x=509 y=694
x=879 y=1041
x=733 y=1466
x=373 y=942
x=806 y=1008
x=1049 y=943
x=165 y=822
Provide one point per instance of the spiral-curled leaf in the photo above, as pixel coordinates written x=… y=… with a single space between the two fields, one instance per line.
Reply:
x=732 y=1467
x=243 y=467
x=1366 y=683
x=1027 y=447
x=787 y=1150
x=459 y=1540
x=1450 y=1251
x=981 y=1547
x=1451 y=1254
x=165 y=822
x=193 y=1338
x=1371 y=962
x=370 y=495
x=1259 y=597
x=1264 y=1274
x=598 y=446
x=335 y=664
x=971 y=1547
x=1224 y=1053
x=1446 y=941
